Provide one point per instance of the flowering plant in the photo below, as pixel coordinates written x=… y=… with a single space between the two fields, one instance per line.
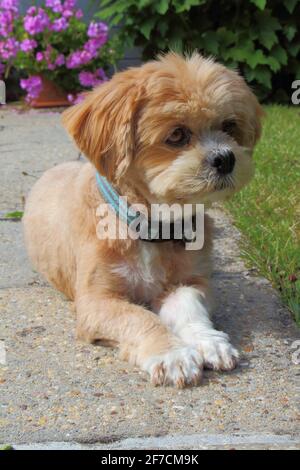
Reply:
x=54 y=41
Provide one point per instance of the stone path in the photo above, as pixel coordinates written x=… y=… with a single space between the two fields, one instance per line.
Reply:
x=67 y=394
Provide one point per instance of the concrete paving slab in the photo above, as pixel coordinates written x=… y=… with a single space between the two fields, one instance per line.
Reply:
x=15 y=271
x=61 y=392
x=30 y=143
x=56 y=389
x=180 y=441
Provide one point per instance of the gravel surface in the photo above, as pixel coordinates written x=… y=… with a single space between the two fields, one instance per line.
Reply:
x=56 y=390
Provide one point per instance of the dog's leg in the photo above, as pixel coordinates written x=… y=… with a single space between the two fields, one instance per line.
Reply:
x=186 y=312
x=141 y=336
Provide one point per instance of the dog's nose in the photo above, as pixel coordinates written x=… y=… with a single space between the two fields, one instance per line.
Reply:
x=223 y=161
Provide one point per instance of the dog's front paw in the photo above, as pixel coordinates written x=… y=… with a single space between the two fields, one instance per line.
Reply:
x=181 y=367
x=214 y=346
x=218 y=353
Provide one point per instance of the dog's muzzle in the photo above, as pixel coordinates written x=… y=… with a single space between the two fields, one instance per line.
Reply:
x=223 y=161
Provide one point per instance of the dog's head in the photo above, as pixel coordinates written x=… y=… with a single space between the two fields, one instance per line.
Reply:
x=180 y=130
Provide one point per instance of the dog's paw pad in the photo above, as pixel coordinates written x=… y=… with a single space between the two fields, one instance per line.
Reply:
x=180 y=367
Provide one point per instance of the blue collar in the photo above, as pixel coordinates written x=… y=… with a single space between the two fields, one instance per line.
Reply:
x=117 y=203
x=128 y=215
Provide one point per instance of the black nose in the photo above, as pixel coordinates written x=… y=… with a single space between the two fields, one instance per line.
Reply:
x=223 y=161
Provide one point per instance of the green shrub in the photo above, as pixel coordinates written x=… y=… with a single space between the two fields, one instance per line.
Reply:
x=259 y=37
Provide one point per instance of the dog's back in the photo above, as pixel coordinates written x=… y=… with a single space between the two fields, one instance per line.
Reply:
x=47 y=221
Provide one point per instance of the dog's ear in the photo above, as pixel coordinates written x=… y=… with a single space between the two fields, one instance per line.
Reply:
x=103 y=125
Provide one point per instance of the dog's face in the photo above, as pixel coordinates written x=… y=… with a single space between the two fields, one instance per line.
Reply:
x=180 y=130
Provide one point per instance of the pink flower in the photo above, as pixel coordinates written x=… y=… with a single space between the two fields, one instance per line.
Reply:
x=31 y=11
x=90 y=79
x=60 y=60
x=92 y=46
x=12 y=5
x=70 y=4
x=74 y=60
x=48 y=53
x=6 y=23
x=33 y=86
x=55 y=5
x=9 y=48
x=98 y=30
x=98 y=33
x=50 y=56
x=67 y=14
x=77 y=59
x=39 y=57
x=9 y=10
x=79 y=14
x=28 y=45
x=101 y=75
x=86 y=79
x=36 y=21
x=60 y=24
x=76 y=99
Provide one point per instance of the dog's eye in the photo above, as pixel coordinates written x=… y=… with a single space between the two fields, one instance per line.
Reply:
x=180 y=136
x=229 y=127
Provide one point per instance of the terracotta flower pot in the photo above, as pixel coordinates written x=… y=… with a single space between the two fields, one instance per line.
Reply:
x=51 y=95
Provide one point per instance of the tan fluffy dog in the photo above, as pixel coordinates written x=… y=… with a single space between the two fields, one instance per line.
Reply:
x=174 y=130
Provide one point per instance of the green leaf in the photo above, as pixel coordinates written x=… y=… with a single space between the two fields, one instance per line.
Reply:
x=237 y=53
x=105 y=2
x=273 y=63
x=163 y=27
x=294 y=49
x=14 y=215
x=109 y=12
x=147 y=27
x=297 y=69
x=259 y=3
x=116 y=20
x=249 y=74
x=263 y=76
x=143 y=3
x=290 y=32
x=290 y=5
x=210 y=42
x=280 y=54
x=162 y=43
x=226 y=37
x=268 y=38
x=162 y=6
x=256 y=58
x=243 y=52
x=265 y=21
x=181 y=6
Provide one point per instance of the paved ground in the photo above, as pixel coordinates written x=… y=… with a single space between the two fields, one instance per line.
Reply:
x=55 y=390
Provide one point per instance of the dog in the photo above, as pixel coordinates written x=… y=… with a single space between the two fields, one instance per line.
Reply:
x=178 y=129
